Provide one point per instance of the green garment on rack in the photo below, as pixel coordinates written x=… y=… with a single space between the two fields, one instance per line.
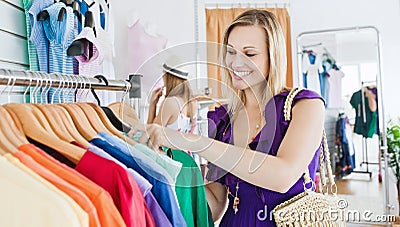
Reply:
x=367 y=129
x=191 y=192
x=32 y=53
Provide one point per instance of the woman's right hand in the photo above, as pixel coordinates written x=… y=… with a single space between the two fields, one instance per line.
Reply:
x=155 y=95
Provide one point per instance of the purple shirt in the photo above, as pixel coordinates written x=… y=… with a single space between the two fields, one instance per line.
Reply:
x=256 y=204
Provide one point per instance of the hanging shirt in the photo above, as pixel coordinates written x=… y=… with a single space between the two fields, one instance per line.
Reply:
x=82 y=216
x=60 y=35
x=168 y=165
x=101 y=199
x=37 y=36
x=191 y=192
x=90 y=66
x=121 y=186
x=105 y=37
x=161 y=186
x=64 y=186
x=335 y=88
x=141 y=47
x=32 y=53
x=367 y=128
x=312 y=71
x=30 y=200
x=160 y=219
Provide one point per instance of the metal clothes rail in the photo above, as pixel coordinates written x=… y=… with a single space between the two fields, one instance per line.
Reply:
x=30 y=78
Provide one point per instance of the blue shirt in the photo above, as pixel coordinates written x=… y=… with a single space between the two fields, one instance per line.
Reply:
x=161 y=190
x=160 y=219
x=37 y=35
x=60 y=35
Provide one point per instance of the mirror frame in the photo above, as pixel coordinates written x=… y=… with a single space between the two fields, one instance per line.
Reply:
x=381 y=112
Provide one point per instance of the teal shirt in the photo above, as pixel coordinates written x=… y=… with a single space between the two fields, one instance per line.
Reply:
x=368 y=128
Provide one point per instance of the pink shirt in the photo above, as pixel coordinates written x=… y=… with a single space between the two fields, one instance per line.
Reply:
x=335 y=88
x=142 y=46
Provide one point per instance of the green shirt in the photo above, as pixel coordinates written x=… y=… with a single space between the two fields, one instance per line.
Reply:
x=191 y=192
x=368 y=128
x=32 y=53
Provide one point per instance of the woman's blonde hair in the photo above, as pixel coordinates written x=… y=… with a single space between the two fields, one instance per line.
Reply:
x=275 y=40
x=176 y=86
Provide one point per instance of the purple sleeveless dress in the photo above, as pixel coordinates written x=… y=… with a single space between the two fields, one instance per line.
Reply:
x=256 y=204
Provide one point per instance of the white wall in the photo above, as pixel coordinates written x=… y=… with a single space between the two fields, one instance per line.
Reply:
x=308 y=15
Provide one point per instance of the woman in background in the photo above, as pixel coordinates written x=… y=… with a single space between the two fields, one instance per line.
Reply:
x=178 y=111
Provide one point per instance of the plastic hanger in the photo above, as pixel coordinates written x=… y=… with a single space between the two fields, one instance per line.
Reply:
x=8 y=134
x=78 y=47
x=96 y=116
x=80 y=136
x=116 y=121
x=34 y=130
x=44 y=15
x=107 y=116
x=56 y=127
x=103 y=117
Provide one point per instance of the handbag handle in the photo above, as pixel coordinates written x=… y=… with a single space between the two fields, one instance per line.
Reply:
x=324 y=150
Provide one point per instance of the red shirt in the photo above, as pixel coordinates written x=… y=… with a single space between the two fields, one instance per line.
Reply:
x=122 y=187
x=106 y=210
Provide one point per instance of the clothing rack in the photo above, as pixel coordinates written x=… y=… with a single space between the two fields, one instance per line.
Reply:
x=365 y=142
x=317 y=45
x=29 y=78
x=382 y=122
x=250 y=4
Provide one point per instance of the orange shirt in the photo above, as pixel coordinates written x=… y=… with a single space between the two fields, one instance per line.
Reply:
x=101 y=199
x=78 y=196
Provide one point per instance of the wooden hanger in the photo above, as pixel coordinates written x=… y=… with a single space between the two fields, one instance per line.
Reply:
x=34 y=130
x=13 y=134
x=93 y=117
x=42 y=120
x=108 y=124
x=125 y=112
x=18 y=125
x=62 y=115
x=81 y=122
x=57 y=126
x=6 y=145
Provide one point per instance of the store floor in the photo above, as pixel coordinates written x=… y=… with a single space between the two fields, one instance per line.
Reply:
x=367 y=195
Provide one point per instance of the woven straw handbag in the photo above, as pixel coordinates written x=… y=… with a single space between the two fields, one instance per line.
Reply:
x=310 y=208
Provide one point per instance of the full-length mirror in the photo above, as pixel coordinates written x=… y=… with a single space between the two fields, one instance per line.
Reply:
x=343 y=66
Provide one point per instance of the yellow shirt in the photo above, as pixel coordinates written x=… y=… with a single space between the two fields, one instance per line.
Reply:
x=27 y=202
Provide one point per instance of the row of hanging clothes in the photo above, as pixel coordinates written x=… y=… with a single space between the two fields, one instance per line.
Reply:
x=71 y=164
x=323 y=75
x=344 y=147
x=365 y=104
x=71 y=37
